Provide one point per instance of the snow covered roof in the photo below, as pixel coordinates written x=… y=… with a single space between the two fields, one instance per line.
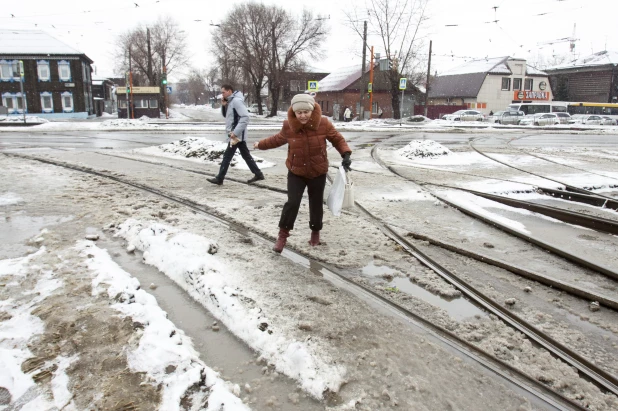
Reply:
x=32 y=42
x=341 y=78
x=602 y=58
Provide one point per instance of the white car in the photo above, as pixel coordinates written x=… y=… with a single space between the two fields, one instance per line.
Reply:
x=464 y=115
x=588 y=119
x=253 y=108
x=608 y=121
x=564 y=117
x=506 y=117
x=541 y=119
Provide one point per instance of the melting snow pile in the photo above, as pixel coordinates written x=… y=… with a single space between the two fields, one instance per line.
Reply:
x=202 y=149
x=423 y=148
x=29 y=119
x=141 y=123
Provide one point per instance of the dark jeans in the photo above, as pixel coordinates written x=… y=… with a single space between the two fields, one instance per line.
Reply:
x=296 y=188
x=229 y=154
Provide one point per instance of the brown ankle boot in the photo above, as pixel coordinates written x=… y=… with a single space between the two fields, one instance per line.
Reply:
x=281 y=240
x=315 y=238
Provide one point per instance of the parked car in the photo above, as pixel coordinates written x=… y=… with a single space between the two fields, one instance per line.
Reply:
x=588 y=119
x=506 y=117
x=608 y=121
x=564 y=117
x=464 y=115
x=253 y=108
x=540 y=119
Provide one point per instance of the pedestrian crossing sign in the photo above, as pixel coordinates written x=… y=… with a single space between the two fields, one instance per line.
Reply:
x=312 y=85
x=402 y=83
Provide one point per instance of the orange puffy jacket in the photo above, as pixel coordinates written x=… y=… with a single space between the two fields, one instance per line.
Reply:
x=307 y=143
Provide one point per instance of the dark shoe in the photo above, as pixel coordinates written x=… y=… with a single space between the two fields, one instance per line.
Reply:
x=281 y=240
x=255 y=178
x=215 y=180
x=315 y=238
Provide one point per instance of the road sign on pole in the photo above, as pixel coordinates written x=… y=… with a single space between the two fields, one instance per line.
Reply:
x=370 y=87
x=312 y=85
x=402 y=83
x=169 y=89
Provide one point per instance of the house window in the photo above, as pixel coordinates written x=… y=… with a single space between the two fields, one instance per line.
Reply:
x=516 y=84
x=506 y=83
x=64 y=70
x=47 y=105
x=154 y=103
x=67 y=102
x=9 y=70
x=13 y=102
x=122 y=103
x=295 y=85
x=528 y=84
x=42 y=67
x=141 y=103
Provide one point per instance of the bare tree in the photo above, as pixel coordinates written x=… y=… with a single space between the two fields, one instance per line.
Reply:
x=167 y=42
x=246 y=46
x=291 y=40
x=193 y=89
x=396 y=23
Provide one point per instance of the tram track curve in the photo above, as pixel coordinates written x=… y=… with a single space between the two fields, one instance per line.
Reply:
x=588 y=371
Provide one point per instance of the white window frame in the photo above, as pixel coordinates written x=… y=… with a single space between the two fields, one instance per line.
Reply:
x=508 y=87
x=13 y=70
x=13 y=100
x=140 y=103
x=153 y=103
x=44 y=95
x=65 y=108
x=122 y=103
x=40 y=65
x=526 y=88
x=61 y=65
x=518 y=83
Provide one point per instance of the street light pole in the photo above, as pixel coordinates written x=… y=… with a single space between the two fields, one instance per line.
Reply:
x=362 y=82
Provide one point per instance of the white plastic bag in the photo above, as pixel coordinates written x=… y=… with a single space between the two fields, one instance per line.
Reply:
x=348 y=197
x=337 y=193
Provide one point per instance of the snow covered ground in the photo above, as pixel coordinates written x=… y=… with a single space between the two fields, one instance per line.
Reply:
x=69 y=311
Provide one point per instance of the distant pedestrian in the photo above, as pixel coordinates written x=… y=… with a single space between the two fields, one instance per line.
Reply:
x=347 y=114
x=236 y=119
x=491 y=113
x=305 y=131
x=380 y=112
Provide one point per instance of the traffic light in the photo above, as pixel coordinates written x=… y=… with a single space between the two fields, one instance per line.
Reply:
x=164 y=79
x=390 y=64
x=128 y=89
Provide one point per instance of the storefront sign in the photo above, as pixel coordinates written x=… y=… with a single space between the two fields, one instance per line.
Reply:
x=69 y=84
x=542 y=85
x=530 y=95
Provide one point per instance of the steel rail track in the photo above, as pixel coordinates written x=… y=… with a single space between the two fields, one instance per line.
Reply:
x=516 y=377
x=552 y=161
x=567 y=186
x=607 y=271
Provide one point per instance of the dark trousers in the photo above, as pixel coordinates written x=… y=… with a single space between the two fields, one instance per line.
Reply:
x=296 y=188
x=229 y=154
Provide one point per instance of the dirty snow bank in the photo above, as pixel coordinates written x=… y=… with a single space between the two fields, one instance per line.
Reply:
x=191 y=262
x=9 y=198
x=162 y=346
x=201 y=150
x=423 y=148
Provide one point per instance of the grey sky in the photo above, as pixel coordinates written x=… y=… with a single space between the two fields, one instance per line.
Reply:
x=459 y=29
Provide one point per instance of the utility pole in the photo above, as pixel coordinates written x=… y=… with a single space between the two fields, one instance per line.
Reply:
x=427 y=83
x=371 y=82
x=165 y=85
x=130 y=107
x=275 y=85
x=362 y=81
x=24 y=104
x=152 y=82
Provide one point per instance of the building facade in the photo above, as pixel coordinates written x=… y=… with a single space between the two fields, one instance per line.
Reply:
x=490 y=85
x=56 y=78
x=104 y=96
x=592 y=78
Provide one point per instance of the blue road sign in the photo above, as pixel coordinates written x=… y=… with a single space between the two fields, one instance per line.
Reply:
x=169 y=89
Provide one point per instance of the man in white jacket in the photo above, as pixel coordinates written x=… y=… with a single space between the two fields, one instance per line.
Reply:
x=236 y=119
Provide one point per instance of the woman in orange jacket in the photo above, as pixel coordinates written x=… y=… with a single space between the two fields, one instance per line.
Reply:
x=306 y=132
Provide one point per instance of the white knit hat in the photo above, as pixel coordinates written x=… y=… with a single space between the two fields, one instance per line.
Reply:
x=302 y=102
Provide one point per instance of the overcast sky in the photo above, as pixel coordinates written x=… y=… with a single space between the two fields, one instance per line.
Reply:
x=459 y=29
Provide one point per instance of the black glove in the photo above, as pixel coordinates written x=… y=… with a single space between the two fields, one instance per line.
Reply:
x=346 y=162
